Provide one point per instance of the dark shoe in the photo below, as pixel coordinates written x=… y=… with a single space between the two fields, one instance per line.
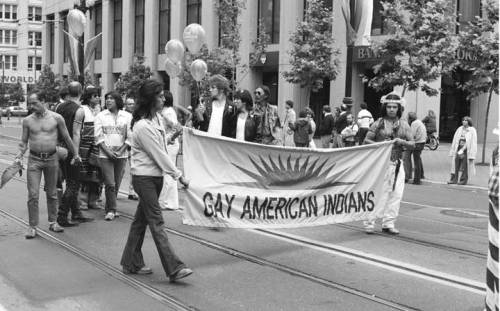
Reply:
x=81 y=218
x=55 y=227
x=417 y=182
x=462 y=183
x=391 y=231
x=66 y=223
x=133 y=197
x=142 y=271
x=182 y=273
x=406 y=181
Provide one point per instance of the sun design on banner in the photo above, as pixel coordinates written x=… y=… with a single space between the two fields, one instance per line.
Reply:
x=308 y=175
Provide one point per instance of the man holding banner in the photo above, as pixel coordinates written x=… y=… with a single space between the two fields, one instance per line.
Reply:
x=391 y=127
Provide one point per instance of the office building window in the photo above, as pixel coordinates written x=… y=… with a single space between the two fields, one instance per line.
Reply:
x=98 y=29
x=117 y=29
x=35 y=13
x=51 y=37
x=164 y=24
x=8 y=37
x=34 y=38
x=269 y=14
x=193 y=12
x=139 y=27
x=10 y=62
x=34 y=62
x=9 y=11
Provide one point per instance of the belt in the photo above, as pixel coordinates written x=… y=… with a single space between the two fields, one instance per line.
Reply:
x=43 y=155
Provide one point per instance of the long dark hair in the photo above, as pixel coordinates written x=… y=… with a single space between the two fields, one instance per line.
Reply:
x=87 y=95
x=118 y=99
x=146 y=100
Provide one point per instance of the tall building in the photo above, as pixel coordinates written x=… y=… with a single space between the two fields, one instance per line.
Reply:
x=20 y=42
x=144 y=26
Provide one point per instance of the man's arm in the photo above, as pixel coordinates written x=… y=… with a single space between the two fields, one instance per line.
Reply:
x=370 y=136
x=77 y=128
x=23 y=145
x=63 y=131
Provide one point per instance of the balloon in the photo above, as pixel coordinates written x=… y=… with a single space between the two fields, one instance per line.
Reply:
x=174 y=50
x=172 y=68
x=76 y=22
x=198 y=70
x=194 y=37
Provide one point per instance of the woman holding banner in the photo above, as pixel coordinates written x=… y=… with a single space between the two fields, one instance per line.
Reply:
x=150 y=162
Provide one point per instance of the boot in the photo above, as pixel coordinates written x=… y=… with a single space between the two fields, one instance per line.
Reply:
x=453 y=179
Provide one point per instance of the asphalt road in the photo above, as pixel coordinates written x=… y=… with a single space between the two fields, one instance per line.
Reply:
x=437 y=263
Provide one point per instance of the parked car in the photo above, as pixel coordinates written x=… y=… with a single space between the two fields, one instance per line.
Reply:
x=3 y=111
x=17 y=111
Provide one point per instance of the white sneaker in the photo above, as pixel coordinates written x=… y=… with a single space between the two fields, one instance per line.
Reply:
x=109 y=216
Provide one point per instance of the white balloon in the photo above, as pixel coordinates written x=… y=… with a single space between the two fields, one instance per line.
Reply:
x=172 y=68
x=174 y=50
x=198 y=69
x=194 y=37
x=76 y=22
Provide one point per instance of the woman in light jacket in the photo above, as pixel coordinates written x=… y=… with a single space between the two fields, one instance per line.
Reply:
x=463 y=152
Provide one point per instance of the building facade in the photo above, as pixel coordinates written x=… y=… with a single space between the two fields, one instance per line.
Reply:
x=20 y=43
x=144 y=26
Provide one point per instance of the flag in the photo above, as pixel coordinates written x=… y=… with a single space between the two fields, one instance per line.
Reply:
x=90 y=46
x=73 y=52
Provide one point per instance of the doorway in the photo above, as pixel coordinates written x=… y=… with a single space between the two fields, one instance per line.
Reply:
x=454 y=104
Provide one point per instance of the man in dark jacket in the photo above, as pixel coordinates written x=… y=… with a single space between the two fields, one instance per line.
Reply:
x=302 y=129
x=326 y=127
x=244 y=123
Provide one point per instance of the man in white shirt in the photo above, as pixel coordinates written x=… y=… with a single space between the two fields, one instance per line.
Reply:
x=419 y=133
x=365 y=119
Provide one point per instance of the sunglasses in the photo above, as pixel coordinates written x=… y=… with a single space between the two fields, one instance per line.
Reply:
x=258 y=93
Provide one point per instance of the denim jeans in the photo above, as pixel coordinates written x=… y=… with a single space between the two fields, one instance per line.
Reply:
x=148 y=213
x=417 y=161
x=50 y=168
x=112 y=172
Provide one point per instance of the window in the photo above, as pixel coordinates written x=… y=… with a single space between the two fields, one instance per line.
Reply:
x=35 y=13
x=98 y=29
x=164 y=24
x=468 y=10
x=10 y=62
x=34 y=38
x=50 y=33
x=9 y=11
x=117 y=29
x=193 y=12
x=8 y=37
x=269 y=14
x=139 y=27
x=34 y=62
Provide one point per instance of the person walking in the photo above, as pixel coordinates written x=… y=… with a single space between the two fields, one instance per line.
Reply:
x=112 y=134
x=169 y=196
x=290 y=116
x=310 y=117
x=302 y=130
x=269 y=128
x=150 y=162
x=326 y=127
x=349 y=132
x=129 y=107
x=430 y=122
x=365 y=119
x=74 y=116
x=245 y=123
x=463 y=152
x=419 y=134
x=40 y=132
x=390 y=127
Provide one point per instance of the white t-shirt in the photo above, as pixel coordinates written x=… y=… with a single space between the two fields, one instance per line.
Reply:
x=215 y=125
x=240 y=126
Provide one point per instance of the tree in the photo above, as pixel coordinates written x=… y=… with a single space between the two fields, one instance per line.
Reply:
x=260 y=44
x=48 y=84
x=480 y=41
x=313 y=55
x=132 y=80
x=421 y=47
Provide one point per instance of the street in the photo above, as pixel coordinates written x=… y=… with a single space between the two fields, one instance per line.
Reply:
x=436 y=263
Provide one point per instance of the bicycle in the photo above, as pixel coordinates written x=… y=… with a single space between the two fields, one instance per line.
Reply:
x=432 y=141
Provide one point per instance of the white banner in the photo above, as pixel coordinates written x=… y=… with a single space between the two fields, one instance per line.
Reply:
x=245 y=185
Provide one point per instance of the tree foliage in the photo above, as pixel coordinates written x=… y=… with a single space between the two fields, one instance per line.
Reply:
x=313 y=57
x=260 y=43
x=48 y=84
x=132 y=80
x=421 y=48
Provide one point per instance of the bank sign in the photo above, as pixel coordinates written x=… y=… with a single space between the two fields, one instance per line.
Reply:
x=365 y=54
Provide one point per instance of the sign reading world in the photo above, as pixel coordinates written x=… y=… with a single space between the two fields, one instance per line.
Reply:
x=23 y=77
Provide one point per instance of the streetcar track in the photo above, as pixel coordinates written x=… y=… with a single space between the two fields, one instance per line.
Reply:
x=109 y=269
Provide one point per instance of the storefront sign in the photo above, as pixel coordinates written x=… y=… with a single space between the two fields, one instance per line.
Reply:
x=462 y=54
x=365 y=53
x=20 y=79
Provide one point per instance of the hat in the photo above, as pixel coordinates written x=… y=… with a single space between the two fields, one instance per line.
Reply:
x=392 y=97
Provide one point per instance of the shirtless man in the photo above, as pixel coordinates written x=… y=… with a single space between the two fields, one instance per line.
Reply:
x=40 y=132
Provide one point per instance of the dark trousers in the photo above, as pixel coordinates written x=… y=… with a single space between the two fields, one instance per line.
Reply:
x=362 y=134
x=148 y=212
x=461 y=165
x=112 y=172
x=417 y=161
x=69 y=200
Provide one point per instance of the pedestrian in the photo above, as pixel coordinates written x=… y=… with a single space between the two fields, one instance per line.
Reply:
x=290 y=116
x=41 y=130
x=430 y=122
x=419 y=135
x=326 y=127
x=463 y=152
x=302 y=130
x=150 y=162
x=341 y=122
x=216 y=116
x=90 y=174
x=74 y=116
x=365 y=119
x=390 y=127
x=129 y=107
x=112 y=134
x=169 y=196
x=245 y=123
x=349 y=133
x=310 y=117
x=63 y=96
x=269 y=128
